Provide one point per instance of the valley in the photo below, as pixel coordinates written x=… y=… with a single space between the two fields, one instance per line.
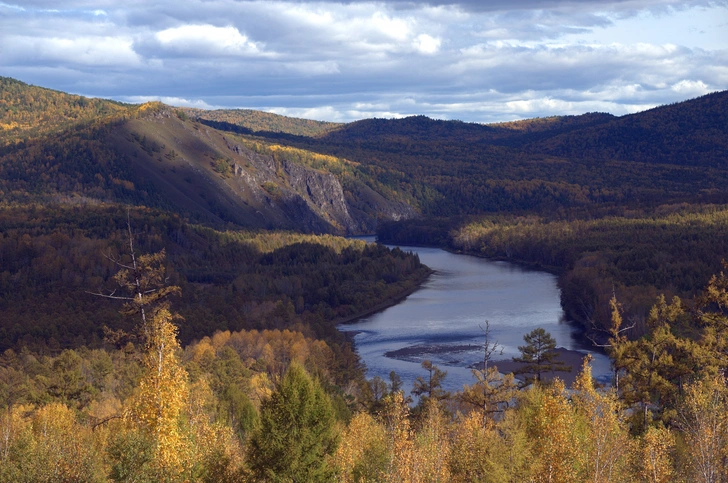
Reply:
x=239 y=223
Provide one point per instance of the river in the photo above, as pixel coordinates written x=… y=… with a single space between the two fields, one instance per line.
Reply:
x=443 y=321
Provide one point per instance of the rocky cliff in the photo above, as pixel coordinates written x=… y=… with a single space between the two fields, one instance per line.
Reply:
x=218 y=176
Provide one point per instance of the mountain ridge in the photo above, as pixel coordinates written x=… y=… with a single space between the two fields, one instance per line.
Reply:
x=348 y=178
x=154 y=154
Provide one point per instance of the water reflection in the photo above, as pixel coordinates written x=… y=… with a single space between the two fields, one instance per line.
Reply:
x=443 y=320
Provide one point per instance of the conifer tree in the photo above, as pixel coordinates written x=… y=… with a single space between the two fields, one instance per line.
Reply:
x=539 y=356
x=296 y=433
x=651 y=370
x=157 y=403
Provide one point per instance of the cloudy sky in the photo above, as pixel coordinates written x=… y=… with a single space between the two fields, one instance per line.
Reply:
x=482 y=61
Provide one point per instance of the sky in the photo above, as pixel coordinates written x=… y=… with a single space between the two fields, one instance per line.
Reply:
x=476 y=61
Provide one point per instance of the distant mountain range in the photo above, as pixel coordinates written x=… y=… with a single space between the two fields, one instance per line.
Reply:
x=259 y=170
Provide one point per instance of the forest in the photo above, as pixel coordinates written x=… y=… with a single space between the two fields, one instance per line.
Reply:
x=152 y=329
x=54 y=259
x=264 y=405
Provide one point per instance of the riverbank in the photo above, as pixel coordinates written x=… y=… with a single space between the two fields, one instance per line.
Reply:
x=558 y=271
x=442 y=321
x=572 y=358
x=390 y=302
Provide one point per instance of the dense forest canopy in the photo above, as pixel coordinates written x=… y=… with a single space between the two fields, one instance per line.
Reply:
x=51 y=257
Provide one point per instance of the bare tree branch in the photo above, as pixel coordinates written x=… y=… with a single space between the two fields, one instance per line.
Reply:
x=104 y=421
x=117 y=262
x=109 y=296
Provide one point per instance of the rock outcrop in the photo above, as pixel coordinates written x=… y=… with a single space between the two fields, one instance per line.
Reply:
x=212 y=175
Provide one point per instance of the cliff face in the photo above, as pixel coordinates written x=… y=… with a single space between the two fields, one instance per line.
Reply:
x=217 y=177
x=312 y=199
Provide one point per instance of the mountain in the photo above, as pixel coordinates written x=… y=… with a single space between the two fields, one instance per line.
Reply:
x=81 y=177
x=690 y=133
x=261 y=170
x=693 y=132
x=59 y=147
x=671 y=154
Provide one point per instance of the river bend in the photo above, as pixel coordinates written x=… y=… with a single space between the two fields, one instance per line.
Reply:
x=443 y=320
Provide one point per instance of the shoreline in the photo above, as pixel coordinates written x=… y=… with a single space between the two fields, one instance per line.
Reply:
x=386 y=303
x=557 y=271
x=535 y=266
x=572 y=358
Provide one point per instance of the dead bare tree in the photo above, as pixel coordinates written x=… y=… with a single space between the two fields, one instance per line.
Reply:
x=616 y=333
x=491 y=391
x=143 y=280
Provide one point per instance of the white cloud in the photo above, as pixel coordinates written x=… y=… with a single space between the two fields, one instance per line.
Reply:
x=89 y=51
x=200 y=40
x=691 y=88
x=323 y=113
x=426 y=44
x=171 y=101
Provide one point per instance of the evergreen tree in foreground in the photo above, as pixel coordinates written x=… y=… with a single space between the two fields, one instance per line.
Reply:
x=296 y=432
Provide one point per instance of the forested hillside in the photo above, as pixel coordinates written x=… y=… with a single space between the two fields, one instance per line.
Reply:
x=691 y=133
x=51 y=259
x=666 y=155
x=62 y=147
x=671 y=250
x=28 y=112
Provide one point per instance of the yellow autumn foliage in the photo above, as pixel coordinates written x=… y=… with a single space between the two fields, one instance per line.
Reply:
x=162 y=394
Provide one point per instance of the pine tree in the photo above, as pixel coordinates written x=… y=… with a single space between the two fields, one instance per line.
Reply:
x=539 y=356
x=296 y=433
x=651 y=363
x=492 y=392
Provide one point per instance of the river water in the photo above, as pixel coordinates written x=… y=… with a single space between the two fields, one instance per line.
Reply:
x=443 y=321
